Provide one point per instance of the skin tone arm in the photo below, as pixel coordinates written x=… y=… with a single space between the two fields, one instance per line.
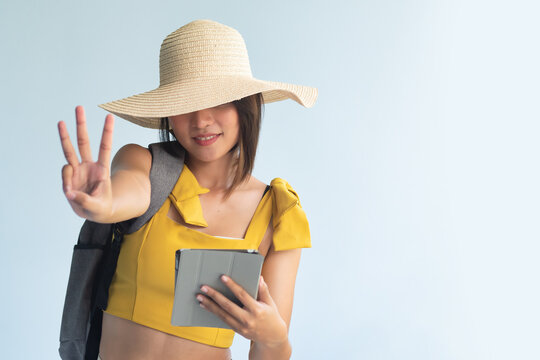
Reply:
x=90 y=189
x=264 y=321
x=279 y=272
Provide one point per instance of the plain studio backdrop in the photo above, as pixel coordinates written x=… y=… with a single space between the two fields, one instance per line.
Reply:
x=418 y=167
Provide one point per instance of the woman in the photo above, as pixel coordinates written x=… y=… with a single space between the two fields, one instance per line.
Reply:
x=211 y=105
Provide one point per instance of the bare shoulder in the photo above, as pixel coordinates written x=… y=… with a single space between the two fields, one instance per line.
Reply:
x=254 y=185
x=132 y=157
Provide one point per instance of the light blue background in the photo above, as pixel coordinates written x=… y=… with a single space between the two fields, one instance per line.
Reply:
x=418 y=167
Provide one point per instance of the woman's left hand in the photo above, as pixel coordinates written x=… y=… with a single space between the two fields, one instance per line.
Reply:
x=259 y=320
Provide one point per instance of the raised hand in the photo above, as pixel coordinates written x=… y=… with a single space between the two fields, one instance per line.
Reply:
x=87 y=184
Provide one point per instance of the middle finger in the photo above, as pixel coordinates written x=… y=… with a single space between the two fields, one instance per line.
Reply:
x=82 y=135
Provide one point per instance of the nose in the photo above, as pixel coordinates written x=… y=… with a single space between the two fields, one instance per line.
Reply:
x=202 y=118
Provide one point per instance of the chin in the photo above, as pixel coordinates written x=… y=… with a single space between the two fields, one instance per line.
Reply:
x=210 y=153
x=206 y=157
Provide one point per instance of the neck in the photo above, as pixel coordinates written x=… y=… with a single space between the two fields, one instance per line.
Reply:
x=214 y=175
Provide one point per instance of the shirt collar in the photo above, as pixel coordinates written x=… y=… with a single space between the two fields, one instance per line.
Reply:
x=185 y=198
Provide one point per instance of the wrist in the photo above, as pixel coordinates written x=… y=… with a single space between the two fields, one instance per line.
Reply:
x=274 y=351
x=281 y=343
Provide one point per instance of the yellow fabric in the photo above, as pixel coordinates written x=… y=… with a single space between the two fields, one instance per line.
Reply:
x=291 y=229
x=142 y=289
x=185 y=199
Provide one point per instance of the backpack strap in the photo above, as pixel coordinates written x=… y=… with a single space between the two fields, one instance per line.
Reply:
x=164 y=173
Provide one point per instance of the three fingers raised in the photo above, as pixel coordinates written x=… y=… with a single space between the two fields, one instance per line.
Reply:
x=71 y=169
x=83 y=141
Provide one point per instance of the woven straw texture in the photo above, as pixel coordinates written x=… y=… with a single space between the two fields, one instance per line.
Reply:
x=201 y=65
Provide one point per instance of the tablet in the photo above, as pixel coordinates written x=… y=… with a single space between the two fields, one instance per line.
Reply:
x=197 y=267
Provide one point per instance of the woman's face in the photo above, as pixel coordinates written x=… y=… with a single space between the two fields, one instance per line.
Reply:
x=209 y=134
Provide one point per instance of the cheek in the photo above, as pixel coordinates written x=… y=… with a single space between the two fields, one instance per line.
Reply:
x=234 y=135
x=180 y=129
x=234 y=129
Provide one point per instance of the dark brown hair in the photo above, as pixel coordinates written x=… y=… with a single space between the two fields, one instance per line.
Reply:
x=250 y=112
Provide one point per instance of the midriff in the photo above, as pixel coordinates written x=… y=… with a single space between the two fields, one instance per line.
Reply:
x=123 y=339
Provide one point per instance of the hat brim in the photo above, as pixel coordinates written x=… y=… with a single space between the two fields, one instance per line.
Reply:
x=146 y=109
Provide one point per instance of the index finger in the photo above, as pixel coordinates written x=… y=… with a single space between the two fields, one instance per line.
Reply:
x=105 y=147
x=238 y=291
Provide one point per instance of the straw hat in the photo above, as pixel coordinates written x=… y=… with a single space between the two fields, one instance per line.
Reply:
x=201 y=65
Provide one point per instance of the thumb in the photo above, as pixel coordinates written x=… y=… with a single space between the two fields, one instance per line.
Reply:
x=78 y=197
x=79 y=200
x=264 y=293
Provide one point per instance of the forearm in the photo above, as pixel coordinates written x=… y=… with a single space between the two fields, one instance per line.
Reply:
x=259 y=351
x=130 y=196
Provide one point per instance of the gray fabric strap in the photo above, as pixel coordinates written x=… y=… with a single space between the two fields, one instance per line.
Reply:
x=164 y=173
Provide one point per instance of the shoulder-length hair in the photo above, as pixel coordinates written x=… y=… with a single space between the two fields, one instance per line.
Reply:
x=250 y=112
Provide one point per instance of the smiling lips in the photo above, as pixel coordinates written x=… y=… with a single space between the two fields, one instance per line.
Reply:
x=206 y=139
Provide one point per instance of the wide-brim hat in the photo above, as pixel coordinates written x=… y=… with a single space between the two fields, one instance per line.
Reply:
x=201 y=65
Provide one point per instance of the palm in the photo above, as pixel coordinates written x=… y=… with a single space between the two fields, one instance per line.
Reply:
x=89 y=178
x=86 y=183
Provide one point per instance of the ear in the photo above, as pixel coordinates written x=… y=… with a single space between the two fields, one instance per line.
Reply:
x=170 y=130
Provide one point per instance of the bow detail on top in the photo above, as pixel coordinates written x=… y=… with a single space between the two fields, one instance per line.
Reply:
x=185 y=198
x=291 y=228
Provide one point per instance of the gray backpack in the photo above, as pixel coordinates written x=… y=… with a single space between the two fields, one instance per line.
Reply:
x=95 y=256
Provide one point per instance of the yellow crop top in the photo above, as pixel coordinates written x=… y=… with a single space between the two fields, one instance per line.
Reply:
x=142 y=289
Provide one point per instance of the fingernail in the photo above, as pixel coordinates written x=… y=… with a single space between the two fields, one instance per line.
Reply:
x=200 y=298
x=204 y=289
x=224 y=278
